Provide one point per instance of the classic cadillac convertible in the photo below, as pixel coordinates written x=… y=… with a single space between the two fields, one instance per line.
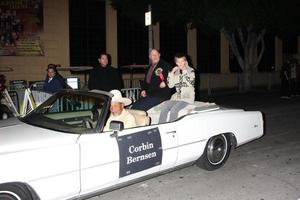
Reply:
x=59 y=151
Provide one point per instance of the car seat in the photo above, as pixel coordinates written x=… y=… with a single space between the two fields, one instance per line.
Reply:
x=141 y=117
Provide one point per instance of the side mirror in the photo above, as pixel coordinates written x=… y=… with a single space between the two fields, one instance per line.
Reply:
x=116 y=126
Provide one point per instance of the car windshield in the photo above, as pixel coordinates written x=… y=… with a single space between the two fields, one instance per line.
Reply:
x=69 y=112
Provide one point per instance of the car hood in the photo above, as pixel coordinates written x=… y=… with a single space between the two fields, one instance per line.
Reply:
x=16 y=135
x=10 y=122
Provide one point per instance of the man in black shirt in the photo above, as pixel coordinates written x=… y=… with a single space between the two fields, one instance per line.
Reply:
x=104 y=77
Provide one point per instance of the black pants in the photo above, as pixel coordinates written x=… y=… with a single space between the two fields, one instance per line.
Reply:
x=293 y=87
x=145 y=103
x=285 y=88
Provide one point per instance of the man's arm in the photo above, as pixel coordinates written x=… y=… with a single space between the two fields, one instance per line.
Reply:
x=90 y=81
x=117 y=79
x=190 y=78
x=144 y=85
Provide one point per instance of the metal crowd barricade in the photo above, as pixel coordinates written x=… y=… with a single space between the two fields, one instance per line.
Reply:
x=32 y=99
x=9 y=102
x=40 y=96
x=131 y=93
x=14 y=98
x=17 y=84
x=36 y=85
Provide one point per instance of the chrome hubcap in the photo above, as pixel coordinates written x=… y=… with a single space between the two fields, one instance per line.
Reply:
x=7 y=195
x=217 y=149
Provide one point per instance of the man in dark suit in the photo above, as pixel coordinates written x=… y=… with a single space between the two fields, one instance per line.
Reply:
x=154 y=89
x=104 y=77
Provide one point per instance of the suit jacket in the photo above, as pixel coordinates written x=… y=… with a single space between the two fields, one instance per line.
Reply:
x=57 y=83
x=152 y=88
x=105 y=78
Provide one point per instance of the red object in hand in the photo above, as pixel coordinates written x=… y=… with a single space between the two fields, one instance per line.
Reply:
x=160 y=74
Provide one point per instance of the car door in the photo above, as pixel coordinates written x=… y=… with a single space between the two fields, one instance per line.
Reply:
x=99 y=161
x=108 y=159
x=84 y=114
x=169 y=137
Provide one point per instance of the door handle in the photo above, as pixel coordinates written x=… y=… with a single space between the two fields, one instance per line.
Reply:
x=171 y=132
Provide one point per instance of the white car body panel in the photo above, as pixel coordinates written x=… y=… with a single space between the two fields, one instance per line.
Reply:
x=246 y=126
x=61 y=165
x=169 y=139
x=191 y=139
x=99 y=161
x=41 y=158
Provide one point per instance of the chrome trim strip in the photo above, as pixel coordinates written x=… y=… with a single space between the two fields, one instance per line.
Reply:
x=94 y=166
x=120 y=185
x=185 y=144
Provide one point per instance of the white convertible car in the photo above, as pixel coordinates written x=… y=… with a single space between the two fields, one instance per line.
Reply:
x=59 y=151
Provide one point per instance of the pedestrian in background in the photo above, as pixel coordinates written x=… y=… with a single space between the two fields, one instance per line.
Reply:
x=104 y=76
x=54 y=82
x=294 y=80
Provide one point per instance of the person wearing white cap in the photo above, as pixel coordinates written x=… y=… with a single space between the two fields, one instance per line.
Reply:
x=117 y=111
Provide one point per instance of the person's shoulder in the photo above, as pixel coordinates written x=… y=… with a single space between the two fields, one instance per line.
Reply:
x=128 y=114
x=95 y=68
x=191 y=69
x=58 y=77
x=112 y=68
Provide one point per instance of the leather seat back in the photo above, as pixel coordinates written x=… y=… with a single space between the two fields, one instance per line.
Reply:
x=141 y=118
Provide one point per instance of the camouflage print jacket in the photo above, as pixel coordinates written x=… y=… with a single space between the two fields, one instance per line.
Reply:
x=183 y=81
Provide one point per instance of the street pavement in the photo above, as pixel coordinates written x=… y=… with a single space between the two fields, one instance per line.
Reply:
x=265 y=169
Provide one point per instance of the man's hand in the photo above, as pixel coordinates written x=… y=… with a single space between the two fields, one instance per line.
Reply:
x=162 y=84
x=143 y=93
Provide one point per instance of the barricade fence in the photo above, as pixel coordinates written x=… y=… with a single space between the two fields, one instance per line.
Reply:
x=131 y=93
x=209 y=82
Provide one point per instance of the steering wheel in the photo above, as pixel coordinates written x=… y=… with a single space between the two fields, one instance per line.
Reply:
x=87 y=123
x=95 y=112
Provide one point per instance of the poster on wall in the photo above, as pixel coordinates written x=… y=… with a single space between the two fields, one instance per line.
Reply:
x=21 y=26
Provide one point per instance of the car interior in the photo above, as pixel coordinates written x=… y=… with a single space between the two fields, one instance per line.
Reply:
x=141 y=117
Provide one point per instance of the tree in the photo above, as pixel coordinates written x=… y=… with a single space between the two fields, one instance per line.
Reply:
x=243 y=22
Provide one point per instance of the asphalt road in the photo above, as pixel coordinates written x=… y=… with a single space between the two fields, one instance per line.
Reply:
x=266 y=169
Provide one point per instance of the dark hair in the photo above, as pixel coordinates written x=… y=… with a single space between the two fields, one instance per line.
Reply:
x=108 y=56
x=179 y=55
x=103 y=54
x=52 y=66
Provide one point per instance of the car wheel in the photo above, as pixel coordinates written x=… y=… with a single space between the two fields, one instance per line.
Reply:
x=216 y=152
x=14 y=191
